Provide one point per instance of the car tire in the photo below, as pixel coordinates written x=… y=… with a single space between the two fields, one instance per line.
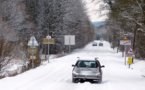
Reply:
x=100 y=80
x=74 y=80
x=81 y=81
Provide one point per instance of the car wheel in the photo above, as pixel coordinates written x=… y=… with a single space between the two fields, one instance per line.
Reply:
x=74 y=80
x=82 y=81
x=100 y=80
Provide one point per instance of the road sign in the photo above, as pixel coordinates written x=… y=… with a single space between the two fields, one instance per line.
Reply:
x=48 y=37
x=33 y=45
x=32 y=42
x=33 y=50
x=130 y=52
x=125 y=39
x=130 y=60
x=69 y=39
x=32 y=57
x=125 y=42
x=48 y=41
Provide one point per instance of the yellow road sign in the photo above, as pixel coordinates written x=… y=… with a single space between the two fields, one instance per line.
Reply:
x=48 y=41
x=125 y=39
x=130 y=60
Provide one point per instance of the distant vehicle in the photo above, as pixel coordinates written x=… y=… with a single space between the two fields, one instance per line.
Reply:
x=87 y=70
x=100 y=44
x=94 y=44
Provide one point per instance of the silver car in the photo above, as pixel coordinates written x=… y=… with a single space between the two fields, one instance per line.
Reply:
x=87 y=70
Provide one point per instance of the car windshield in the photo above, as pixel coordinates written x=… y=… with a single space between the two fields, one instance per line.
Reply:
x=88 y=64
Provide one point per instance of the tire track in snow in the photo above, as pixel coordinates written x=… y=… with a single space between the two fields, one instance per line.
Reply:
x=59 y=81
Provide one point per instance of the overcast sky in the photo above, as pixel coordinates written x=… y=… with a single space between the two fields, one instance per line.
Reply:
x=95 y=11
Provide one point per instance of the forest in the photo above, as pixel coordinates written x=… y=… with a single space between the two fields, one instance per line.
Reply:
x=21 y=19
x=126 y=18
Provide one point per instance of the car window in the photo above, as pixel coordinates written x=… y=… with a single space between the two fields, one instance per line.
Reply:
x=88 y=64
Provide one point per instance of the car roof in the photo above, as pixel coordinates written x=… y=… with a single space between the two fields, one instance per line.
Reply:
x=87 y=60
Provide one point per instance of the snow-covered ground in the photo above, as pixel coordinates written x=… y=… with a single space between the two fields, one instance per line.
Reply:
x=56 y=75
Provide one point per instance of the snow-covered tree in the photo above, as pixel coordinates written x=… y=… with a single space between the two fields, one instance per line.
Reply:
x=58 y=18
x=131 y=17
x=24 y=18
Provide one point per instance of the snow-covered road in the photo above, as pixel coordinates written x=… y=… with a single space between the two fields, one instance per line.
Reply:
x=56 y=75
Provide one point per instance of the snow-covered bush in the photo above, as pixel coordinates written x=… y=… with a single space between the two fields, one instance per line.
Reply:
x=14 y=67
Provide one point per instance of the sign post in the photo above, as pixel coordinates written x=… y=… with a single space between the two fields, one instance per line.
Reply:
x=125 y=42
x=48 y=37
x=48 y=40
x=32 y=43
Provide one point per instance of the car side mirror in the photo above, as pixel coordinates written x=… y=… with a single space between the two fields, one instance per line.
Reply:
x=102 y=66
x=96 y=58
